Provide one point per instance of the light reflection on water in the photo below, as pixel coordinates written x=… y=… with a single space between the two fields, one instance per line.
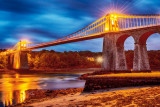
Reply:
x=13 y=87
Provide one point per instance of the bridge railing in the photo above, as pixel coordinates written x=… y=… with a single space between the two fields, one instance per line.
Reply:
x=127 y=22
x=21 y=45
x=113 y=23
x=106 y=24
x=96 y=27
x=110 y=23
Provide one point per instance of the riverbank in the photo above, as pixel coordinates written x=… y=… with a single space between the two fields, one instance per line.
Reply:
x=49 y=71
x=62 y=70
x=105 y=81
x=7 y=71
x=104 y=73
x=146 y=96
x=35 y=95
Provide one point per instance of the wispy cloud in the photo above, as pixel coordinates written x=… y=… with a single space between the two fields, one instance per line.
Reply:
x=47 y=20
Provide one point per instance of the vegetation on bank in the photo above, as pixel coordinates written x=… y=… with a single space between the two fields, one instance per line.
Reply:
x=154 y=58
x=81 y=59
x=52 y=59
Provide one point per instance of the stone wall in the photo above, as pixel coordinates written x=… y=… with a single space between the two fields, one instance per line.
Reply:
x=97 y=83
x=113 y=50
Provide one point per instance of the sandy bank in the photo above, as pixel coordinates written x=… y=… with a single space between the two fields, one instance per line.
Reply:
x=148 y=96
x=36 y=95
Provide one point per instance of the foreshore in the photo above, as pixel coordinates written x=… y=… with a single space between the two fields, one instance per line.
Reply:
x=49 y=70
x=118 y=97
x=110 y=96
x=36 y=95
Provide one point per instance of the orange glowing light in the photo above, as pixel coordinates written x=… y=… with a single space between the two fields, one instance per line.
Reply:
x=17 y=65
x=107 y=29
x=90 y=58
x=23 y=44
x=99 y=59
x=113 y=22
x=17 y=75
x=113 y=15
x=15 y=83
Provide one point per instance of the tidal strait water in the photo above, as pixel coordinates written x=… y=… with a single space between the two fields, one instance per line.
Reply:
x=13 y=86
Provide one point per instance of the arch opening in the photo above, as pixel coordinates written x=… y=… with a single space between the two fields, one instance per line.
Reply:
x=129 y=51
x=153 y=50
x=125 y=43
x=121 y=40
x=145 y=36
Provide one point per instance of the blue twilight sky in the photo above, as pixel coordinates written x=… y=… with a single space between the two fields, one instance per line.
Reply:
x=46 y=20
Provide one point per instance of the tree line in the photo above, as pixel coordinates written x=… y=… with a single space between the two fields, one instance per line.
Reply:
x=153 y=55
x=53 y=59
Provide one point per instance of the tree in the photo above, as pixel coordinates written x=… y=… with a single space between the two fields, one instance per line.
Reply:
x=36 y=62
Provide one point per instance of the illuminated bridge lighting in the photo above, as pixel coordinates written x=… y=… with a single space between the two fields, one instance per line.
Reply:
x=107 y=24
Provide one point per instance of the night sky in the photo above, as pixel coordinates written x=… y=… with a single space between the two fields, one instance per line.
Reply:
x=46 y=20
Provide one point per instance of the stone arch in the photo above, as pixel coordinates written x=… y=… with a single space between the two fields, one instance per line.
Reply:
x=121 y=49
x=120 y=41
x=141 y=61
x=143 y=42
x=143 y=38
x=120 y=53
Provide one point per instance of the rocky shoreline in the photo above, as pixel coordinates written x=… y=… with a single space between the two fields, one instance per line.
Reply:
x=100 y=72
x=138 y=97
x=76 y=97
x=36 y=95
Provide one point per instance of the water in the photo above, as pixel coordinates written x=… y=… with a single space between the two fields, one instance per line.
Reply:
x=13 y=86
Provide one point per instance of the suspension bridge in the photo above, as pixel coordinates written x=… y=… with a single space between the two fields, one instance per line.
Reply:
x=114 y=28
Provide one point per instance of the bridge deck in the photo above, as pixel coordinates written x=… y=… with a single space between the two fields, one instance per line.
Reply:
x=87 y=37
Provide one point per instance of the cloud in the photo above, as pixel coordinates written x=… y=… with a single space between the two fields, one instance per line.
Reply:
x=20 y=6
x=47 y=20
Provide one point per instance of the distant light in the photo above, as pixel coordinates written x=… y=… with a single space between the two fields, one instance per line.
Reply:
x=17 y=65
x=17 y=75
x=107 y=29
x=113 y=11
x=112 y=22
x=23 y=44
x=99 y=59
x=24 y=39
x=90 y=58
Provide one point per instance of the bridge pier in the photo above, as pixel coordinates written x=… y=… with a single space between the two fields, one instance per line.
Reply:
x=113 y=55
x=18 y=61
x=10 y=61
x=121 y=63
x=141 y=61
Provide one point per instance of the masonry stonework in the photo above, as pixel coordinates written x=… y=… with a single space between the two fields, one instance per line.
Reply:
x=18 y=60
x=113 y=50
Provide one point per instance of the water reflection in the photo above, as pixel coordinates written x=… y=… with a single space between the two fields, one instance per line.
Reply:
x=13 y=86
